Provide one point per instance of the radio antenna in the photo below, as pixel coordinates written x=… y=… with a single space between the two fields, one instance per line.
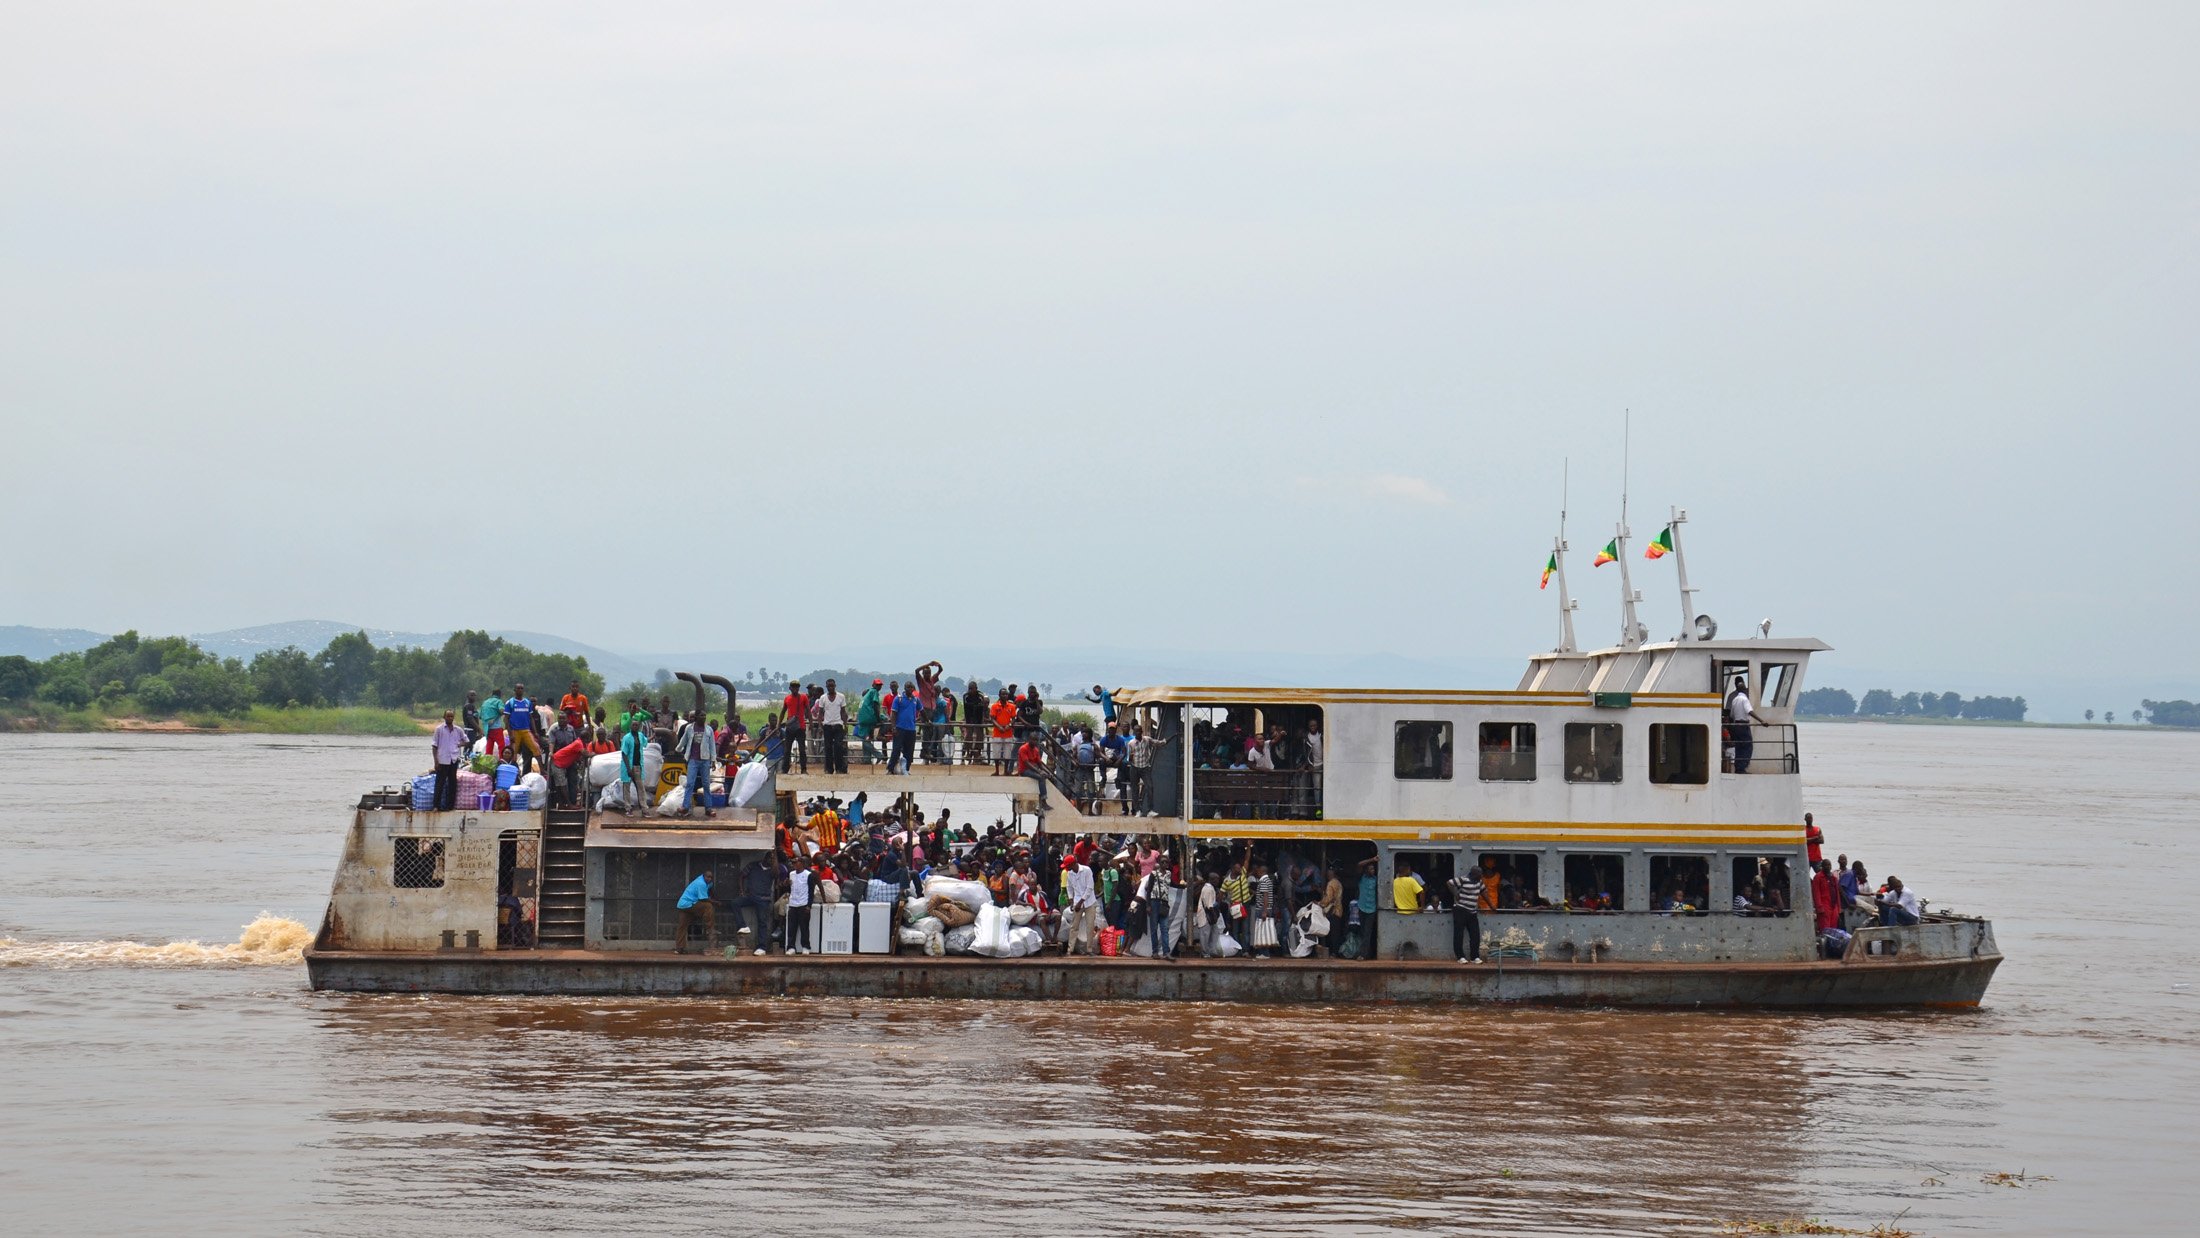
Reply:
x=1566 y=601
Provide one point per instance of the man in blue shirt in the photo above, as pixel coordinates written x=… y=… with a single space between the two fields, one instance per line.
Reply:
x=1105 y=699
x=906 y=709
x=695 y=905
x=519 y=718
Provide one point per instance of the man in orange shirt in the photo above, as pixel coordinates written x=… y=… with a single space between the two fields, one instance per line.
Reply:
x=796 y=709
x=1004 y=723
x=574 y=705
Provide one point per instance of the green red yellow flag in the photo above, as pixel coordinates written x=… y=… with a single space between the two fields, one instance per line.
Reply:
x=1610 y=554
x=1662 y=547
x=1548 y=568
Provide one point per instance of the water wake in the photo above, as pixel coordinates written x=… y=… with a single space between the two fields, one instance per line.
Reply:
x=270 y=939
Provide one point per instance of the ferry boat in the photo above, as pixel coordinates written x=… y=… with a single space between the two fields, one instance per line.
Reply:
x=1605 y=791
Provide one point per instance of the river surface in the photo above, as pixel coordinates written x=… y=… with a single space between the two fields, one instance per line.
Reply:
x=151 y=1084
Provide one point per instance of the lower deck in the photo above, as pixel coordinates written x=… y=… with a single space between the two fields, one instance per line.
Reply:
x=1857 y=982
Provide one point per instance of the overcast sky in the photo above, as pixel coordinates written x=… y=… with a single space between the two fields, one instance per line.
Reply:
x=1260 y=327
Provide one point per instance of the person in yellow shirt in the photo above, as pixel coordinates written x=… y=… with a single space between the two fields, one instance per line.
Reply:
x=826 y=826
x=1406 y=890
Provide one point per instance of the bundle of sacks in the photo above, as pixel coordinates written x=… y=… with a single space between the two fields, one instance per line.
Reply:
x=958 y=917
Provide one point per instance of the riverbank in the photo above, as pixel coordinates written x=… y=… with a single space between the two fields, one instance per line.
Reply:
x=259 y=720
x=2126 y=727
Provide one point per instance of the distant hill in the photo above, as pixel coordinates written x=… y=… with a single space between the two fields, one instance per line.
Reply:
x=39 y=644
x=311 y=635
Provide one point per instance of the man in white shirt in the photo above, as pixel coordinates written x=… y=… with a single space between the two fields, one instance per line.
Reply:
x=1081 y=914
x=449 y=744
x=1739 y=721
x=831 y=713
x=1897 y=906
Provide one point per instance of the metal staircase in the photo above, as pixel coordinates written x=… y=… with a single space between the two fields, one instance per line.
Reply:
x=562 y=916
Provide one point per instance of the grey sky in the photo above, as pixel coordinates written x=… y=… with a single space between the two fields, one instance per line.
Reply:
x=1214 y=326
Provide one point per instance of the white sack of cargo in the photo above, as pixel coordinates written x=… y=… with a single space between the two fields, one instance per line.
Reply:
x=931 y=926
x=615 y=798
x=992 y=933
x=752 y=782
x=603 y=769
x=1020 y=914
x=935 y=945
x=914 y=937
x=538 y=788
x=971 y=894
x=957 y=941
x=1023 y=942
x=676 y=800
x=1227 y=946
x=653 y=764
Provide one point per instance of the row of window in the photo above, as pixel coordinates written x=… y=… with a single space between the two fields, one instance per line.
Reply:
x=1679 y=752
x=1598 y=882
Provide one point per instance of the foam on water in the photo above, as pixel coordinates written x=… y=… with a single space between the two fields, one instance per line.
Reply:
x=269 y=939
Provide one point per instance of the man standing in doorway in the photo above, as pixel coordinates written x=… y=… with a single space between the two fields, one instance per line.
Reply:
x=1740 y=722
x=449 y=744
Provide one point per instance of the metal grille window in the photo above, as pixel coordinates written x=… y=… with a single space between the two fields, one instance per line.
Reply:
x=1680 y=883
x=1592 y=752
x=417 y=864
x=640 y=888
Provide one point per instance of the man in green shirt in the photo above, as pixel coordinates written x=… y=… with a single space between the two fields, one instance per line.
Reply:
x=492 y=723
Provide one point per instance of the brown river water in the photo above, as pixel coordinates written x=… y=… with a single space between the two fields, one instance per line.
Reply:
x=150 y=1084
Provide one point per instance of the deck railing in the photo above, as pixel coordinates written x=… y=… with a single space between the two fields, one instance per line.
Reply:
x=1774 y=751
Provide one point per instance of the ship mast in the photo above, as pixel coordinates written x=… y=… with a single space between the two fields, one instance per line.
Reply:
x=1566 y=603
x=1630 y=628
x=1680 y=567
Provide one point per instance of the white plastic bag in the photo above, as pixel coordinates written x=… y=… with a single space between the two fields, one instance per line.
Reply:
x=603 y=769
x=653 y=764
x=538 y=788
x=1313 y=921
x=1227 y=946
x=676 y=800
x=615 y=798
x=991 y=932
x=750 y=784
x=971 y=894
x=957 y=940
x=914 y=937
x=930 y=926
x=1020 y=914
x=1023 y=942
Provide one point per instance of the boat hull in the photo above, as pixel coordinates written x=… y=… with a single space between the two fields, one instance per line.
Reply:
x=1853 y=983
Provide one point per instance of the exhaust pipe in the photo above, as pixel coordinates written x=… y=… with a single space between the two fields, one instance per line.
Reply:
x=700 y=695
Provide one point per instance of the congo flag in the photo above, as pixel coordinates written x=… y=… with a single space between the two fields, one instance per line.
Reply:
x=1548 y=568
x=1610 y=554
x=1662 y=547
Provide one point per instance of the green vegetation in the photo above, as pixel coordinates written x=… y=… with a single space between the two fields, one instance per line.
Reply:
x=1881 y=703
x=349 y=688
x=2171 y=713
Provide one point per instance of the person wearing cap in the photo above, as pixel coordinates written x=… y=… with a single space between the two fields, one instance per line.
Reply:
x=447 y=745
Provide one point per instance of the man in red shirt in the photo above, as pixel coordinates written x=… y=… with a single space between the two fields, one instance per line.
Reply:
x=796 y=710
x=1004 y=722
x=1825 y=896
x=1029 y=760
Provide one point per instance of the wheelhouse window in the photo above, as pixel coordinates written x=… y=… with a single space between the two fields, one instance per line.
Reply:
x=1596 y=882
x=1592 y=751
x=1762 y=885
x=1680 y=884
x=1779 y=684
x=1508 y=751
x=1423 y=751
x=1680 y=752
x=1516 y=878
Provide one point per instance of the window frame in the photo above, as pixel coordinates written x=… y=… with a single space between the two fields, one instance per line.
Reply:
x=1618 y=760
x=1483 y=751
x=1702 y=858
x=439 y=855
x=1777 y=695
x=1565 y=879
x=1446 y=742
x=1701 y=766
x=1511 y=859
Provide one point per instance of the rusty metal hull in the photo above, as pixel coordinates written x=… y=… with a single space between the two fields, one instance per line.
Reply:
x=1851 y=983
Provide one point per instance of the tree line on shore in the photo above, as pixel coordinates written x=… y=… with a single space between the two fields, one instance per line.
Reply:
x=1881 y=703
x=130 y=675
